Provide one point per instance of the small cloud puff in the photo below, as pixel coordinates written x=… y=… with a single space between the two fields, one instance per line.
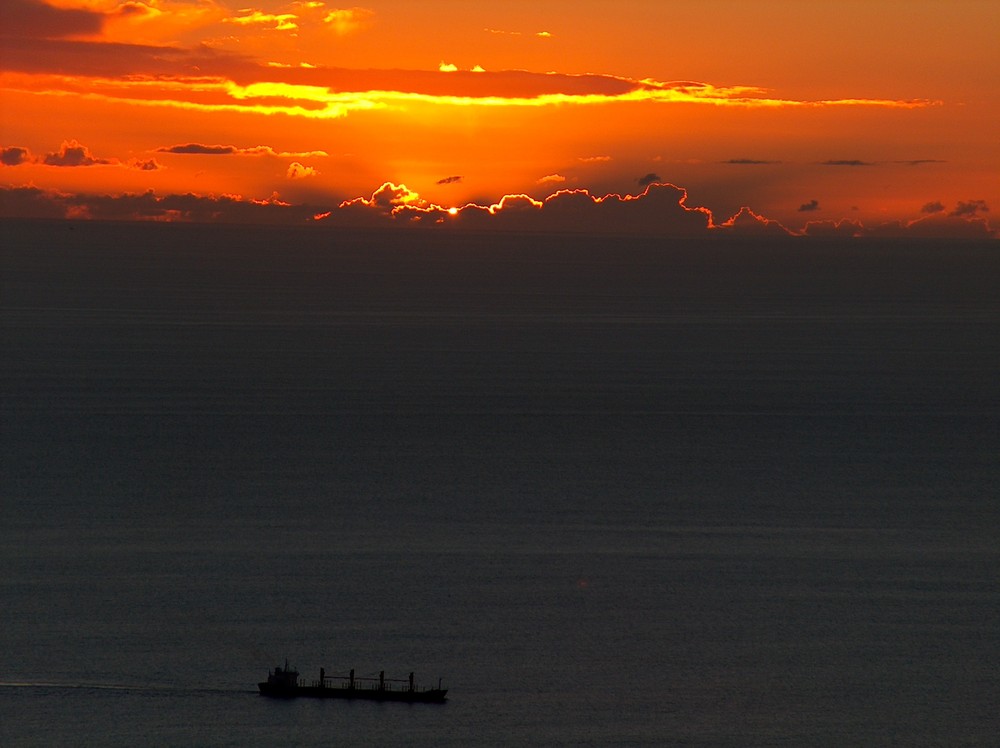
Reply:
x=551 y=179
x=811 y=205
x=72 y=153
x=345 y=21
x=538 y=34
x=933 y=207
x=198 y=148
x=14 y=155
x=749 y=162
x=298 y=171
x=276 y=21
x=148 y=165
x=386 y=198
x=648 y=179
x=970 y=209
x=450 y=180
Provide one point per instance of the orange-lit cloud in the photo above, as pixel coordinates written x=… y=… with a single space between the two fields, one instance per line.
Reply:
x=231 y=150
x=749 y=223
x=660 y=210
x=348 y=20
x=278 y=22
x=502 y=32
x=830 y=229
x=14 y=155
x=348 y=96
x=299 y=171
x=150 y=164
x=181 y=77
x=71 y=153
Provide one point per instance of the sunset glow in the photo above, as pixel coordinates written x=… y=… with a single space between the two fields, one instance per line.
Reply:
x=841 y=117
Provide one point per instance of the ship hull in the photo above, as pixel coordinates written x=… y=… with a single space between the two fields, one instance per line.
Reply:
x=432 y=696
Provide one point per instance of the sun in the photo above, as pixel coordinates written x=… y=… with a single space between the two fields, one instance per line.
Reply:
x=452 y=211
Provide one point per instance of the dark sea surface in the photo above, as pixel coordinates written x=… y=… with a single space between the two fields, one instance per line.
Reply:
x=612 y=491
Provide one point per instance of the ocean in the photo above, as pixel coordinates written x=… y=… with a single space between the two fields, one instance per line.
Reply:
x=612 y=491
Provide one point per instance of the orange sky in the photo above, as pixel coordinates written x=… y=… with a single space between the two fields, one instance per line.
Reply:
x=862 y=116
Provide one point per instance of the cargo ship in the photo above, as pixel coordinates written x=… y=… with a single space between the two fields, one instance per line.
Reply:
x=283 y=683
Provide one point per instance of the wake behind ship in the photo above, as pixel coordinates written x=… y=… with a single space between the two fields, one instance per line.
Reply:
x=283 y=683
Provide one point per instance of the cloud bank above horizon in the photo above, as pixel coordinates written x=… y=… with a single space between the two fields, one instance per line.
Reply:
x=308 y=103
x=660 y=210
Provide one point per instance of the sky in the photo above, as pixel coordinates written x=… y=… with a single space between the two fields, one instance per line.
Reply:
x=854 y=117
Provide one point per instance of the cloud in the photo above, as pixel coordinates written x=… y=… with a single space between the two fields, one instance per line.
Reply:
x=449 y=180
x=970 y=208
x=298 y=171
x=31 y=202
x=951 y=226
x=749 y=162
x=345 y=21
x=278 y=22
x=447 y=67
x=266 y=150
x=147 y=165
x=551 y=179
x=843 y=228
x=921 y=161
x=748 y=223
x=538 y=34
x=34 y=19
x=848 y=162
x=198 y=148
x=207 y=79
x=811 y=205
x=232 y=150
x=648 y=179
x=660 y=210
x=387 y=198
x=71 y=153
x=932 y=207
x=14 y=155
x=594 y=159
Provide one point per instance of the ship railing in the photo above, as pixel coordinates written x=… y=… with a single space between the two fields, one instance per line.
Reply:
x=369 y=684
